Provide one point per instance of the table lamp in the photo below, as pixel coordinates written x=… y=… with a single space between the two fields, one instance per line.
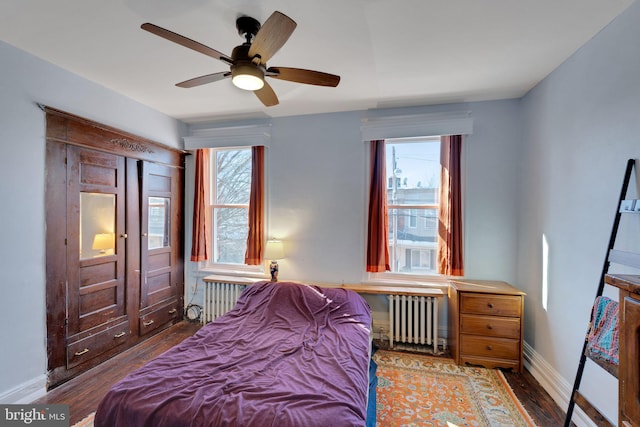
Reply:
x=274 y=251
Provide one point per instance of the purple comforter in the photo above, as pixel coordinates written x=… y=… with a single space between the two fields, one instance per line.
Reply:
x=288 y=354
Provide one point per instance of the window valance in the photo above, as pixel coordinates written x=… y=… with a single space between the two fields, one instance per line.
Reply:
x=408 y=126
x=232 y=136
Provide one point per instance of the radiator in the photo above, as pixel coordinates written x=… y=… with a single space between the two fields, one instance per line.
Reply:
x=219 y=297
x=413 y=320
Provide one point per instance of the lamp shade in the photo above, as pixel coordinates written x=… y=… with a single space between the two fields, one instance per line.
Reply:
x=102 y=241
x=274 y=250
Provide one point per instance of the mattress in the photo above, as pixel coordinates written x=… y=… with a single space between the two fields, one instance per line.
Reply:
x=288 y=354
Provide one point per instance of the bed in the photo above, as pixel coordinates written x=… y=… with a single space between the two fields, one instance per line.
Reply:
x=288 y=354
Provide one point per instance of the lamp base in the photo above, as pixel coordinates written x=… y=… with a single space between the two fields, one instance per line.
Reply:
x=274 y=271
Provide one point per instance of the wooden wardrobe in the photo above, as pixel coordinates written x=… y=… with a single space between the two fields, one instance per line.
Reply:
x=114 y=249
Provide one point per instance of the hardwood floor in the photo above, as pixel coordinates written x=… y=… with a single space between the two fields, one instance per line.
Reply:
x=542 y=408
x=83 y=393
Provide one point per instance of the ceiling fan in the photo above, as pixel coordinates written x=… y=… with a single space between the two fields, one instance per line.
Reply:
x=248 y=61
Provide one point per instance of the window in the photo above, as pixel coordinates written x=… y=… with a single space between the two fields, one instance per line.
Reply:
x=413 y=177
x=230 y=192
x=413 y=219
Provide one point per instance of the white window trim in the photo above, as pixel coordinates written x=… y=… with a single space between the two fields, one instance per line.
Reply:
x=239 y=136
x=254 y=271
x=410 y=126
x=243 y=270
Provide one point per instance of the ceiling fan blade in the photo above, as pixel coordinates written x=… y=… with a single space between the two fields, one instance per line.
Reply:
x=300 y=75
x=272 y=36
x=186 y=42
x=267 y=95
x=203 y=80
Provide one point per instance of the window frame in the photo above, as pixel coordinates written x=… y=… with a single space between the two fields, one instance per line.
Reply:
x=407 y=278
x=227 y=268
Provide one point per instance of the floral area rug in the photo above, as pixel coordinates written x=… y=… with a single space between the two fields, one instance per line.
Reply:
x=418 y=390
x=86 y=422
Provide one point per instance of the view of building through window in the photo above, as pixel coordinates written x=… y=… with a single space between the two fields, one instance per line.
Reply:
x=413 y=184
x=231 y=188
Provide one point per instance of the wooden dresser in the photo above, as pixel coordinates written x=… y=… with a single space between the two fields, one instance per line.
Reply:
x=486 y=324
x=629 y=369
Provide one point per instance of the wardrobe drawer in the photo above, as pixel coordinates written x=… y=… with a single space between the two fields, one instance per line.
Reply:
x=493 y=305
x=94 y=345
x=500 y=348
x=494 y=326
x=158 y=318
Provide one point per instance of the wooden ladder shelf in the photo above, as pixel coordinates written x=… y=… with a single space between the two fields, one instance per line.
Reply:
x=629 y=303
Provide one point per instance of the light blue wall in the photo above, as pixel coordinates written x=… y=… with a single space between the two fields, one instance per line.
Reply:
x=317 y=192
x=547 y=165
x=24 y=82
x=580 y=126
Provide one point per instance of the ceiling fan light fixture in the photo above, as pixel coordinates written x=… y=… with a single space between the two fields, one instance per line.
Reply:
x=248 y=61
x=247 y=77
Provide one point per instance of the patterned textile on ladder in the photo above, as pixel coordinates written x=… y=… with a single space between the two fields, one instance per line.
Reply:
x=602 y=340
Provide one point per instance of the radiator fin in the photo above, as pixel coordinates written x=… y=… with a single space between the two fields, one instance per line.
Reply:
x=413 y=320
x=219 y=298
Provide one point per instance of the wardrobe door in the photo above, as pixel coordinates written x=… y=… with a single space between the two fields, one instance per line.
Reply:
x=161 y=285
x=97 y=316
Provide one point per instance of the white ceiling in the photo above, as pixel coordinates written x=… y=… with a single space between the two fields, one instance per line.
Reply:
x=389 y=53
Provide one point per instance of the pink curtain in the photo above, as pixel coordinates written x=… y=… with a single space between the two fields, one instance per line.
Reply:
x=377 y=242
x=255 y=238
x=201 y=237
x=450 y=260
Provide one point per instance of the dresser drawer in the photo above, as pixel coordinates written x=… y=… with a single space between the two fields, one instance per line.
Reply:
x=158 y=318
x=491 y=363
x=500 y=348
x=493 y=326
x=493 y=305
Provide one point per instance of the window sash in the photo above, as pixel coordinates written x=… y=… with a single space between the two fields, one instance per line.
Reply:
x=401 y=261
x=215 y=264
x=408 y=236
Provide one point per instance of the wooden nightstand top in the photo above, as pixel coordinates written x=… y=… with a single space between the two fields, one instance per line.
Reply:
x=626 y=282
x=485 y=286
x=362 y=288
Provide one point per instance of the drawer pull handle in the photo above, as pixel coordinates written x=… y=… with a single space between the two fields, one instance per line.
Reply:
x=173 y=310
x=147 y=323
x=490 y=305
x=489 y=327
x=80 y=353
x=121 y=334
x=489 y=348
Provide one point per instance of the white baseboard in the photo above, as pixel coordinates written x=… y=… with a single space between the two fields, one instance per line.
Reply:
x=26 y=392
x=558 y=388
